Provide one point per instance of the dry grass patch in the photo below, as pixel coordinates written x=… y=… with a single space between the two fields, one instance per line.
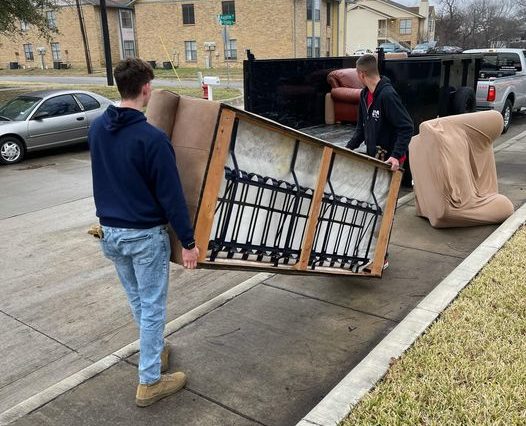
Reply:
x=10 y=90
x=469 y=368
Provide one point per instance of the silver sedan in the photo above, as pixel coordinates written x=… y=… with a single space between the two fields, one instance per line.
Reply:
x=46 y=119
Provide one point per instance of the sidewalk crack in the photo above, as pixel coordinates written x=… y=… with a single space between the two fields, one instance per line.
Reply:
x=331 y=303
x=226 y=407
x=44 y=334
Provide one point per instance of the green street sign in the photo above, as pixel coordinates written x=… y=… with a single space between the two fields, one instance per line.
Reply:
x=227 y=19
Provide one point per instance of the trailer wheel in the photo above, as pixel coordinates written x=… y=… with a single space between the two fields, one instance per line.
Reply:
x=464 y=100
x=507 y=114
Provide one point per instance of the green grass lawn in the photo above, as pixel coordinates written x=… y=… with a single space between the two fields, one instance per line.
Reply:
x=469 y=368
x=8 y=91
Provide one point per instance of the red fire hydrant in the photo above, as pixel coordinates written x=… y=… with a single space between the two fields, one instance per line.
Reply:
x=205 y=91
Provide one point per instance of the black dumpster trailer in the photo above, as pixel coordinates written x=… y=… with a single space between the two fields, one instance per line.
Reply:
x=292 y=91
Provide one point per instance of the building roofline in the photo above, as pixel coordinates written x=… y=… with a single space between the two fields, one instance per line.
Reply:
x=363 y=6
x=401 y=7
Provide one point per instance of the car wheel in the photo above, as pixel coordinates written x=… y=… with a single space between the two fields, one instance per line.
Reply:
x=11 y=150
x=507 y=113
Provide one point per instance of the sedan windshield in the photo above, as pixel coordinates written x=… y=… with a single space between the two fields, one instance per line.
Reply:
x=19 y=108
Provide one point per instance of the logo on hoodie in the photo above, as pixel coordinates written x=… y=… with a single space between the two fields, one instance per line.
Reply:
x=376 y=114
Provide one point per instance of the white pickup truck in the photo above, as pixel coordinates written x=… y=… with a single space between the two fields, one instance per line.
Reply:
x=502 y=81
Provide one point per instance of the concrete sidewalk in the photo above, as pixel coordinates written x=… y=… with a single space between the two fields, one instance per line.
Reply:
x=272 y=352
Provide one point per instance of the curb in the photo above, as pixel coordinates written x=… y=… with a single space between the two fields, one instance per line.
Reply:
x=47 y=395
x=338 y=403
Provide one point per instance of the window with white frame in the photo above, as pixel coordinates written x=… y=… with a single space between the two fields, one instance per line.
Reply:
x=316 y=10
x=55 y=51
x=431 y=25
x=190 y=51
x=126 y=18
x=24 y=26
x=231 y=50
x=51 y=18
x=405 y=26
x=28 y=52
x=128 y=48
x=313 y=51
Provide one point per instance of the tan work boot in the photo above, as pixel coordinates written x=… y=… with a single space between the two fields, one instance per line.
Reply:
x=165 y=358
x=168 y=384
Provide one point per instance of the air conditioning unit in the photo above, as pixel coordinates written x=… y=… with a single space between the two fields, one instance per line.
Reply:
x=210 y=45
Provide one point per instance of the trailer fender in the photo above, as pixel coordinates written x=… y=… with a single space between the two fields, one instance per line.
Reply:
x=463 y=100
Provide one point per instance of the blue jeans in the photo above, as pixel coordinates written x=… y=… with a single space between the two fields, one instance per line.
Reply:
x=141 y=258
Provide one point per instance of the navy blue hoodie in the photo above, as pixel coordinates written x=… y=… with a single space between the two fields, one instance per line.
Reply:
x=135 y=180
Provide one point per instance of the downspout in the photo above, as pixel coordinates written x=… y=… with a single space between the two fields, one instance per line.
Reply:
x=338 y=33
x=313 y=50
x=294 y=28
x=344 y=27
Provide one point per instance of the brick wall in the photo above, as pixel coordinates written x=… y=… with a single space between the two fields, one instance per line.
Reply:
x=266 y=28
x=69 y=38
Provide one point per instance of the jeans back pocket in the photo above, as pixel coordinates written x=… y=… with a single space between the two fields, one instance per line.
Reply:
x=138 y=247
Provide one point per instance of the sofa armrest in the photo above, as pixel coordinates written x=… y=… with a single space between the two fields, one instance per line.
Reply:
x=346 y=94
x=330 y=117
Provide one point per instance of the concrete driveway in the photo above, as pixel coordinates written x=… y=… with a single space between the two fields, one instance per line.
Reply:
x=266 y=355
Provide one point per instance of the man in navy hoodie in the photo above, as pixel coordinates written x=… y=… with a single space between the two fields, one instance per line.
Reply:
x=383 y=122
x=137 y=193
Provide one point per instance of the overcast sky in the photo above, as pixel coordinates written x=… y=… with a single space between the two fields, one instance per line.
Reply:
x=415 y=2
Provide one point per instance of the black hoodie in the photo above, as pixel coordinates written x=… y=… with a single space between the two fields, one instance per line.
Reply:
x=135 y=180
x=386 y=123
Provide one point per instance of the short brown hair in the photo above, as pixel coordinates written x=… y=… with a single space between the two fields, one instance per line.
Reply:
x=368 y=65
x=131 y=75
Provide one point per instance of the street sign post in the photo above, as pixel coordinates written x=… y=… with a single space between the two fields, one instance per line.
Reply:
x=227 y=19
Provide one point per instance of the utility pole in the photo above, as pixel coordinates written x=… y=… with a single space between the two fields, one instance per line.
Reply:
x=106 y=38
x=84 y=38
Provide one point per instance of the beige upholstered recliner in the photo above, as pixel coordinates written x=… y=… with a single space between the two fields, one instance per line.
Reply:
x=190 y=124
x=454 y=171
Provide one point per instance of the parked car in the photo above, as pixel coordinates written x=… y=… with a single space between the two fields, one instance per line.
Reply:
x=502 y=81
x=46 y=119
x=360 y=52
x=423 y=48
x=394 y=48
x=445 y=50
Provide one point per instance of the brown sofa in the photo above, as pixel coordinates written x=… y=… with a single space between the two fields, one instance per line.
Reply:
x=341 y=104
x=190 y=124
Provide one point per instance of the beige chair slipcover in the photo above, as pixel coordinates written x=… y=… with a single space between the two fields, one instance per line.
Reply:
x=454 y=172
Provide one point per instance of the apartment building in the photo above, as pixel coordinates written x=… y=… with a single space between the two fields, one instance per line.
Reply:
x=373 y=22
x=190 y=32
x=66 y=48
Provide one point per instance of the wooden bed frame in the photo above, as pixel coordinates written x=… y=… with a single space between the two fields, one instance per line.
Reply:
x=225 y=136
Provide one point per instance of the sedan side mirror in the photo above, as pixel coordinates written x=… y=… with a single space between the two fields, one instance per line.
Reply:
x=40 y=115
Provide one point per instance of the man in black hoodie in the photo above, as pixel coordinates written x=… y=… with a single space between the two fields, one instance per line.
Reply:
x=137 y=193
x=383 y=122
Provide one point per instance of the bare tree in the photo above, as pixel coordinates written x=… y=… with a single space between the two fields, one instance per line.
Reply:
x=479 y=23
